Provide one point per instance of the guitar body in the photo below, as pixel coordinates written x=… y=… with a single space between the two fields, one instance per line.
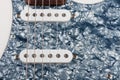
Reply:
x=74 y=40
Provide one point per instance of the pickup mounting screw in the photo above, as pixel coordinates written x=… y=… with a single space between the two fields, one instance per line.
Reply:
x=75 y=56
x=18 y=15
x=16 y=56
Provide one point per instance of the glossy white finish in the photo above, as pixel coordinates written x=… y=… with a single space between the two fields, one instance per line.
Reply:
x=46 y=18
x=5 y=23
x=46 y=59
x=88 y=1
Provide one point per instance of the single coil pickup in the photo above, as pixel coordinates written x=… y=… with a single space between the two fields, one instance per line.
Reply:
x=46 y=15
x=88 y=1
x=45 y=2
x=46 y=56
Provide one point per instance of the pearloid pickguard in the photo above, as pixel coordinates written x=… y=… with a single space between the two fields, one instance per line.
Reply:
x=94 y=36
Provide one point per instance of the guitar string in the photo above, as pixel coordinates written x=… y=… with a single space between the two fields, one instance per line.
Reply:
x=35 y=36
x=67 y=32
x=58 y=47
x=42 y=38
x=27 y=44
x=34 y=42
x=57 y=36
x=49 y=42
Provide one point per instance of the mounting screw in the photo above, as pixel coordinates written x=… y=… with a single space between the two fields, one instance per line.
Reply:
x=18 y=15
x=73 y=15
x=16 y=57
x=75 y=56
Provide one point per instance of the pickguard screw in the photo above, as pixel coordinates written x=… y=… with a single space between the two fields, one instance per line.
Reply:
x=18 y=15
x=16 y=57
x=75 y=56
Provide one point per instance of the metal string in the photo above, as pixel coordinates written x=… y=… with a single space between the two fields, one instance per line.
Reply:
x=42 y=40
x=27 y=44
x=57 y=36
x=66 y=33
x=57 y=25
x=58 y=32
x=35 y=36
x=49 y=43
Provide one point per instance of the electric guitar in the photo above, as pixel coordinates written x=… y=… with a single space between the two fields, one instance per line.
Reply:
x=59 y=40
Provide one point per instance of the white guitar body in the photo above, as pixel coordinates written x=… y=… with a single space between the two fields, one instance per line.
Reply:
x=5 y=23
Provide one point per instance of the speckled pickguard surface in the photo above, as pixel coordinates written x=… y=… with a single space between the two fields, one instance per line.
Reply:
x=94 y=36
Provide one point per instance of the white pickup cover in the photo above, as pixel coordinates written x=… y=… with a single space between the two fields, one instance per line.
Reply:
x=88 y=1
x=46 y=15
x=5 y=23
x=46 y=56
